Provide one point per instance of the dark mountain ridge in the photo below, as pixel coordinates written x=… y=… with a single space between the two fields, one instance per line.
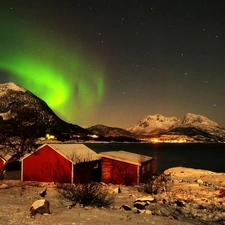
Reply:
x=109 y=131
x=16 y=101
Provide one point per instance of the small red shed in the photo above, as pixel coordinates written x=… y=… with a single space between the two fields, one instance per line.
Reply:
x=10 y=164
x=63 y=163
x=121 y=167
x=5 y=157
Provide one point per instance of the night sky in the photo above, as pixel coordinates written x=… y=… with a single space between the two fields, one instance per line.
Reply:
x=114 y=62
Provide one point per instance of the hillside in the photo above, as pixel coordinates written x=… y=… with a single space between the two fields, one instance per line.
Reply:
x=20 y=105
x=109 y=131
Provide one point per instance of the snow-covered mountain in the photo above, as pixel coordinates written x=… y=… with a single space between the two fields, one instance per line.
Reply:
x=200 y=128
x=196 y=120
x=194 y=128
x=15 y=101
x=153 y=124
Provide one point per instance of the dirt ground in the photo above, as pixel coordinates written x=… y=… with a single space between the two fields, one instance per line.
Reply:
x=16 y=198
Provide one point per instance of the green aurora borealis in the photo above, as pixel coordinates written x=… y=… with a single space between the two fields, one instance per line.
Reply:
x=54 y=69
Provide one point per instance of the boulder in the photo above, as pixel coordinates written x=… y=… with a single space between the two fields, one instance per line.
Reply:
x=140 y=205
x=200 y=182
x=40 y=206
x=126 y=207
x=4 y=186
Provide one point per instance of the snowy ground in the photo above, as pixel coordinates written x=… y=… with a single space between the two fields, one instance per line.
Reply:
x=194 y=188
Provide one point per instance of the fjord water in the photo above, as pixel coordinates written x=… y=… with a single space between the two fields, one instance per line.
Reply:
x=194 y=155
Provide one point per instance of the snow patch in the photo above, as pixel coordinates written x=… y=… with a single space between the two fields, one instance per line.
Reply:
x=4 y=88
x=38 y=203
x=6 y=115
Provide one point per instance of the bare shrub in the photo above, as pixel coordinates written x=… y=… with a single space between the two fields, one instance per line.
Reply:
x=87 y=194
x=126 y=177
x=149 y=187
x=158 y=184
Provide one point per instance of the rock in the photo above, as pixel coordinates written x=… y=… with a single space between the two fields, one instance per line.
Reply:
x=125 y=207
x=145 y=199
x=132 y=195
x=4 y=186
x=146 y=211
x=200 y=182
x=117 y=190
x=40 y=206
x=140 y=205
x=180 y=203
x=43 y=193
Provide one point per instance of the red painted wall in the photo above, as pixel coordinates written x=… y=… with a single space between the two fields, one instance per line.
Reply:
x=2 y=162
x=118 y=172
x=46 y=165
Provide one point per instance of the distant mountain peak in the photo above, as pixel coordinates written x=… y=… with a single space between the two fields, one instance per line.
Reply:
x=191 y=118
x=192 y=126
x=153 y=124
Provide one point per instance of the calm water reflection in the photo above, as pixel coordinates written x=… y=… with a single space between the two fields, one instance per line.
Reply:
x=199 y=156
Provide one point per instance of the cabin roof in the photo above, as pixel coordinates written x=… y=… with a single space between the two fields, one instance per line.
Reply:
x=2 y=158
x=76 y=153
x=6 y=155
x=125 y=156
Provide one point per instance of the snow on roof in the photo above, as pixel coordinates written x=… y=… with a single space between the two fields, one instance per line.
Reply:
x=124 y=156
x=6 y=155
x=76 y=153
x=38 y=203
x=3 y=158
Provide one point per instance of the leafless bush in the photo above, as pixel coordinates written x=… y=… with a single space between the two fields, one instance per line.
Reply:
x=149 y=187
x=87 y=194
x=126 y=177
x=157 y=184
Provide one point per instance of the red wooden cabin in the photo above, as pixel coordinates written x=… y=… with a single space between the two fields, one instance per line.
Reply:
x=10 y=164
x=121 y=167
x=63 y=163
